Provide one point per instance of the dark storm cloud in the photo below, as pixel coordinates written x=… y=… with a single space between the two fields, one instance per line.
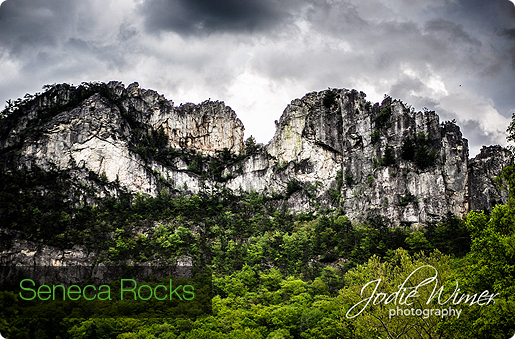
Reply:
x=28 y=23
x=492 y=13
x=493 y=22
x=336 y=19
x=451 y=30
x=494 y=18
x=207 y=16
x=510 y=33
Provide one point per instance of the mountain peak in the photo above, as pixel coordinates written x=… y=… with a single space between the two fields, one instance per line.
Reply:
x=332 y=149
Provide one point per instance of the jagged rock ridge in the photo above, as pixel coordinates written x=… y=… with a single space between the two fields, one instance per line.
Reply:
x=331 y=149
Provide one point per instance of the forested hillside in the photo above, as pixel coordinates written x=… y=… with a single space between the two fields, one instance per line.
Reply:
x=275 y=274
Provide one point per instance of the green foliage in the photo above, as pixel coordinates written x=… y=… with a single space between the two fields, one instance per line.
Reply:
x=382 y=119
x=329 y=99
x=425 y=158
x=405 y=200
x=493 y=248
x=250 y=145
x=506 y=181
x=388 y=158
x=375 y=163
x=417 y=149
x=408 y=149
x=370 y=180
x=339 y=179
x=196 y=164
x=280 y=165
x=450 y=236
x=417 y=242
x=375 y=321
x=103 y=177
x=293 y=186
x=511 y=130
x=335 y=195
x=490 y=265
x=152 y=143
x=375 y=136
x=276 y=274
x=349 y=179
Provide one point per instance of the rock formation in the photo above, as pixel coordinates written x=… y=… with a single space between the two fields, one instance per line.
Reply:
x=483 y=190
x=331 y=149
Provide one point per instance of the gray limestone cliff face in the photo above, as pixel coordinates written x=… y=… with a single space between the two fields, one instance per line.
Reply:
x=61 y=130
x=484 y=192
x=207 y=127
x=332 y=149
x=367 y=159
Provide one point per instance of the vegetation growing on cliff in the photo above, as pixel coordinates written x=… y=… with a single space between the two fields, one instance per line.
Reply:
x=329 y=99
x=416 y=148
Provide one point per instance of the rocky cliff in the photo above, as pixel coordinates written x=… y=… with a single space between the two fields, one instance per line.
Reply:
x=332 y=149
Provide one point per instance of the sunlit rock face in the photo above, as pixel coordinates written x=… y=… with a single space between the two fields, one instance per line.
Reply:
x=331 y=149
x=390 y=161
x=96 y=134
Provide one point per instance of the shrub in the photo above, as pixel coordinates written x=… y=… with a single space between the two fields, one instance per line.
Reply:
x=384 y=116
x=408 y=149
x=370 y=180
x=335 y=195
x=375 y=136
x=329 y=98
x=425 y=158
x=407 y=199
x=416 y=149
x=375 y=163
x=339 y=179
x=250 y=145
x=349 y=179
x=196 y=164
x=103 y=177
x=389 y=157
x=292 y=187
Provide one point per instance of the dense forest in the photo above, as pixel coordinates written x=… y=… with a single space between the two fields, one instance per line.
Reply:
x=275 y=274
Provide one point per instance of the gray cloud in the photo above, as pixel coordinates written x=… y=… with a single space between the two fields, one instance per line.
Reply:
x=30 y=23
x=336 y=18
x=451 y=30
x=477 y=136
x=207 y=17
x=510 y=33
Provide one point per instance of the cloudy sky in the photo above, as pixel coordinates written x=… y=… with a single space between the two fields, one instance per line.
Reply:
x=456 y=57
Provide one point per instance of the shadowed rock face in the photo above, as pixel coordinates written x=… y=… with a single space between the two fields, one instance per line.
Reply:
x=331 y=149
x=483 y=191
